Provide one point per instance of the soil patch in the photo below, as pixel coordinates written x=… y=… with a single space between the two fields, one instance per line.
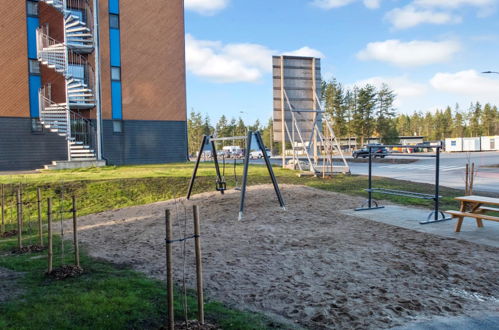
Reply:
x=65 y=271
x=29 y=249
x=8 y=234
x=309 y=265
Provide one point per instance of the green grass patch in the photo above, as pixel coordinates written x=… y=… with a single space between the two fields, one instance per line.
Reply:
x=106 y=296
x=101 y=189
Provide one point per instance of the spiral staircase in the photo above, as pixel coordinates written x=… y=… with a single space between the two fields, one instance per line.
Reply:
x=68 y=58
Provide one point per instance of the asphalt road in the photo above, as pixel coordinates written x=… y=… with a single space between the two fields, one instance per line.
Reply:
x=452 y=170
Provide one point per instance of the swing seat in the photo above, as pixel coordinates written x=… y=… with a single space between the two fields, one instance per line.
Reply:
x=221 y=186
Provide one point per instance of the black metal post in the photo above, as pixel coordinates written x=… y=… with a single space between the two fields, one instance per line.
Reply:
x=217 y=166
x=437 y=183
x=370 y=177
x=198 y=160
x=269 y=167
x=245 y=173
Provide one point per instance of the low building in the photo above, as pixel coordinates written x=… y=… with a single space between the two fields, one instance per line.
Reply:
x=471 y=144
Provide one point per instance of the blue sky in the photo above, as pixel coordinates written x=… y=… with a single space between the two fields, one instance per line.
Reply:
x=431 y=52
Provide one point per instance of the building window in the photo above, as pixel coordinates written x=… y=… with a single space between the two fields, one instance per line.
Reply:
x=114 y=21
x=117 y=126
x=36 y=125
x=32 y=8
x=115 y=73
x=34 y=67
x=453 y=143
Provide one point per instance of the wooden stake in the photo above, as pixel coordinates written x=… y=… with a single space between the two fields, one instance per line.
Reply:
x=199 y=265
x=39 y=204
x=472 y=177
x=2 y=197
x=49 y=228
x=75 y=234
x=169 y=271
x=466 y=189
x=19 y=221
x=21 y=205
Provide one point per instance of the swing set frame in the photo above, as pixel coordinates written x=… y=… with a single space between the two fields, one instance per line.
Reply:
x=221 y=184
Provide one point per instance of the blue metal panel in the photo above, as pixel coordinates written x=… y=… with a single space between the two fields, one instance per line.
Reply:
x=35 y=83
x=114 y=6
x=33 y=23
x=116 y=103
x=114 y=36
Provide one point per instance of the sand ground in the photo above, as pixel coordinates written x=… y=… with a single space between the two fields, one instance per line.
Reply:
x=309 y=265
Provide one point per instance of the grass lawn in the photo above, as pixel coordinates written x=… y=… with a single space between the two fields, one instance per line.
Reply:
x=108 y=296
x=100 y=189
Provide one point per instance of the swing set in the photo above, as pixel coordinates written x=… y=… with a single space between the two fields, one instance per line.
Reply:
x=221 y=184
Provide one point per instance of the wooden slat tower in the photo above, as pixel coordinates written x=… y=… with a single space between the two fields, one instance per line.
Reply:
x=300 y=122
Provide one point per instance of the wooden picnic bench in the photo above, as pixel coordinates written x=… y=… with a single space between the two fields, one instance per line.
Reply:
x=473 y=207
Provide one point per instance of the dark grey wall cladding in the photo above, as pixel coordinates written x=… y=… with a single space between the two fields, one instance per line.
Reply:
x=21 y=149
x=145 y=142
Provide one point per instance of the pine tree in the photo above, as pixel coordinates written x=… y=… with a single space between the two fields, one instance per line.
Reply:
x=385 y=125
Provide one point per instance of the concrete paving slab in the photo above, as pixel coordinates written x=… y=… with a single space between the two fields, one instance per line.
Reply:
x=408 y=217
x=480 y=322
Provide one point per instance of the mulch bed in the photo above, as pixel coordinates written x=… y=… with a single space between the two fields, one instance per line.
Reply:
x=8 y=234
x=65 y=271
x=29 y=249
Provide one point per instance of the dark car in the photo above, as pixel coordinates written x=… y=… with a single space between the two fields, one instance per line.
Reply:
x=378 y=151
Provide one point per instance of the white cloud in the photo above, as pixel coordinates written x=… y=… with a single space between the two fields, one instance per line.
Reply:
x=455 y=3
x=331 y=4
x=404 y=88
x=372 y=4
x=238 y=62
x=305 y=51
x=409 y=54
x=410 y=16
x=206 y=7
x=470 y=83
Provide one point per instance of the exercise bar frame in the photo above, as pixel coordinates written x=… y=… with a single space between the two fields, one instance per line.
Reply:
x=211 y=140
x=436 y=215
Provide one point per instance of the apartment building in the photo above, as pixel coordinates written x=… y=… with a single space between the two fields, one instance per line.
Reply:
x=89 y=82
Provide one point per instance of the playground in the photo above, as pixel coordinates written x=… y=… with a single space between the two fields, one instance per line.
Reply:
x=310 y=265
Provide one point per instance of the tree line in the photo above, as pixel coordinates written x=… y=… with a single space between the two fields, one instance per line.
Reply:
x=361 y=113
x=369 y=112
x=198 y=126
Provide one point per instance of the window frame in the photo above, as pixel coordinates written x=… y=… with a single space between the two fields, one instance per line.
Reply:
x=117 y=123
x=30 y=67
x=118 y=69
x=36 y=5
x=117 y=21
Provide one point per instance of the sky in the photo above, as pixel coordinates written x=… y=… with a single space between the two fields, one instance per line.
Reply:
x=430 y=52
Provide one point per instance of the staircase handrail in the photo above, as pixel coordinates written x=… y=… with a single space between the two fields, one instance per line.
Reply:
x=84 y=5
x=45 y=41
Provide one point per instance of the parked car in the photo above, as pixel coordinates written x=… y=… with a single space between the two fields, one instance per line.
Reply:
x=259 y=154
x=378 y=151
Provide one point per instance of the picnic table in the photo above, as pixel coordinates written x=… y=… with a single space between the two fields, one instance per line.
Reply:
x=475 y=207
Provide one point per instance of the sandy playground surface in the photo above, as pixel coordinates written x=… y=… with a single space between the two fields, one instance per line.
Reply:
x=309 y=266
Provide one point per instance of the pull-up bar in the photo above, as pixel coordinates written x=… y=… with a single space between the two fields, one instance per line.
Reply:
x=221 y=185
x=229 y=138
x=436 y=215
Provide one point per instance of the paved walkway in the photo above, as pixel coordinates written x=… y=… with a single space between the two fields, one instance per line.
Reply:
x=408 y=217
